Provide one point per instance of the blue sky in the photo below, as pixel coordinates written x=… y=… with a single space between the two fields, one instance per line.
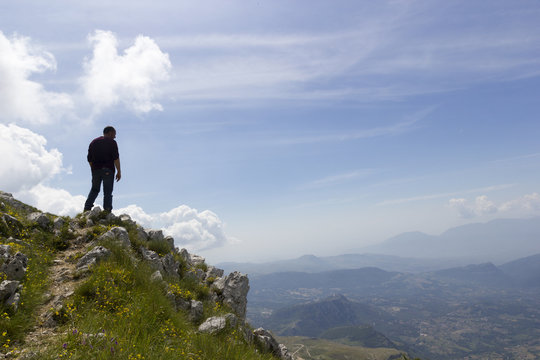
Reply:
x=271 y=129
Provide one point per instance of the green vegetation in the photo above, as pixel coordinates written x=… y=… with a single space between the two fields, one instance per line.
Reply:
x=116 y=310
x=40 y=249
x=320 y=349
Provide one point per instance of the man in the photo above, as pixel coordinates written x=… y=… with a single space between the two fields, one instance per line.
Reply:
x=103 y=159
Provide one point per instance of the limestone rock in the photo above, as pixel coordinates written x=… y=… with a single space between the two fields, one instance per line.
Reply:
x=11 y=221
x=40 y=218
x=93 y=257
x=14 y=300
x=142 y=235
x=156 y=276
x=170 y=266
x=196 y=311
x=269 y=344
x=94 y=213
x=213 y=272
x=155 y=235
x=5 y=251
x=152 y=257
x=7 y=289
x=125 y=218
x=195 y=274
x=235 y=290
x=170 y=241
x=119 y=234
x=185 y=256
x=179 y=302
x=215 y=324
x=196 y=259
x=58 y=223
x=14 y=266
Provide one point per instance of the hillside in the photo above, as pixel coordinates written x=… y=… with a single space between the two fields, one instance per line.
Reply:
x=477 y=311
x=99 y=286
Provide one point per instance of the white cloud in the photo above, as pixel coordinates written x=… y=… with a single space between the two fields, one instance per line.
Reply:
x=22 y=99
x=55 y=201
x=527 y=205
x=129 y=79
x=190 y=228
x=26 y=161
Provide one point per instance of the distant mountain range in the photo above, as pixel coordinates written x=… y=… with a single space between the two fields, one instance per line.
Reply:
x=497 y=241
x=437 y=314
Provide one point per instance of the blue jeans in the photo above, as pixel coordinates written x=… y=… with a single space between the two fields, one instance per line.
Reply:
x=98 y=176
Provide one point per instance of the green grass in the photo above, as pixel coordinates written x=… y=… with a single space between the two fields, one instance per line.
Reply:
x=39 y=249
x=116 y=312
x=320 y=349
x=119 y=313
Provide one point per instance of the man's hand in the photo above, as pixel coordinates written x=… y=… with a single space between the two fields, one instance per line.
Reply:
x=118 y=176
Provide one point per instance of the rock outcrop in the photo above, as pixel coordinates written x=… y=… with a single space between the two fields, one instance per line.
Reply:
x=92 y=257
x=170 y=264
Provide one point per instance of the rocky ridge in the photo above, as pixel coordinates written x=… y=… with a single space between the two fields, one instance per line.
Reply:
x=81 y=253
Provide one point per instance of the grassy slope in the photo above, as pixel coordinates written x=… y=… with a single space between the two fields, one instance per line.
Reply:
x=320 y=349
x=115 y=313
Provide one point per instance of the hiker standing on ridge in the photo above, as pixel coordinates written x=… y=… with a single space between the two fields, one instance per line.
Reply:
x=103 y=159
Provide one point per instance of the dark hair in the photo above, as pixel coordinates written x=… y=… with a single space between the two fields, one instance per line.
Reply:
x=108 y=129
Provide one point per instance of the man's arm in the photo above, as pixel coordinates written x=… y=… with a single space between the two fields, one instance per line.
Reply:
x=118 y=171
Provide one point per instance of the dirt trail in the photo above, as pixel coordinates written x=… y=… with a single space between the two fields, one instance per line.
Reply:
x=62 y=286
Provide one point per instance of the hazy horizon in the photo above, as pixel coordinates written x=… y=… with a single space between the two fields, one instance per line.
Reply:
x=252 y=130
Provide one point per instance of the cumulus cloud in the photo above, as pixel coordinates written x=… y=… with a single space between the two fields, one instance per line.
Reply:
x=129 y=79
x=22 y=99
x=53 y=200
x=526 y=205
x=26 y=161
x=190 y=228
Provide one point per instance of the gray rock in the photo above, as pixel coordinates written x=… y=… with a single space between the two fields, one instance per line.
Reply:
x=156 y=276
x=14 y=266
x=155 y=235
x=283 y=353
x=119 y=234
x=195 y=274
x=269 y=344
x=170 y=266
x=5 y=251
x=94 y=256
x=235 y=290
x=142 y=235
x=14 y=300
x=125 y=218
x=170 y=241
x=179 y=302
x=7 y=289
x=40 y=218
x=213 y=272
x=185 y=256
x=58 y=223
x=94 y=213
x=151 y=257
x=196 y=311
x=11 y=221
x=196 y=259
x=110 y=217
x=215 y=324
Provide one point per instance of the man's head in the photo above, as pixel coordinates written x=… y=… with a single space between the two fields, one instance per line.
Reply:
x=109 y=131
